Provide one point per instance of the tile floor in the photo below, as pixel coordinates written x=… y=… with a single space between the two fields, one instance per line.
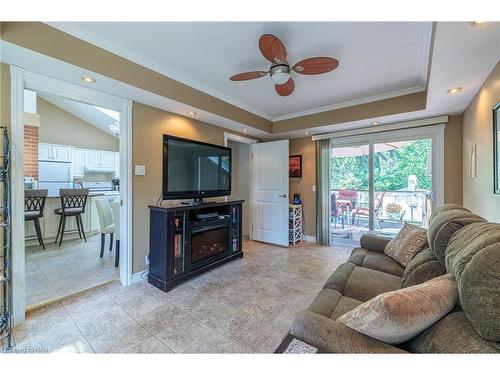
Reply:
x=62 y=271
x=246 y=305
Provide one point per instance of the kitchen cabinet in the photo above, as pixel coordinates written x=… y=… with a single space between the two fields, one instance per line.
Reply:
x=95 y=159
x=92 y=159
x=44 y=152
x=78 y=162
x=108 y=159
x=50 y=152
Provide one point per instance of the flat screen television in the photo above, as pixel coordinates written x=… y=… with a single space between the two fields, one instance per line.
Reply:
x=194 y=169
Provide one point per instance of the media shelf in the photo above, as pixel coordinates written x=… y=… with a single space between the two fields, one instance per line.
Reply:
x=189 y=240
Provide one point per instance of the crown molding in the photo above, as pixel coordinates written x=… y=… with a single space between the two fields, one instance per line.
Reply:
x=351 y=103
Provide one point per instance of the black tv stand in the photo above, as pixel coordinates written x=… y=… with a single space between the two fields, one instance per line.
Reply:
x=198 y=201
x=182 y=246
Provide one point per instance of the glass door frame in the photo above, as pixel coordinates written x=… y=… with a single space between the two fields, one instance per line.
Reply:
x=433 y=132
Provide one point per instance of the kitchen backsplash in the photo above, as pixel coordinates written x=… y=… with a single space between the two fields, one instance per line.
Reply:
x=97 y=176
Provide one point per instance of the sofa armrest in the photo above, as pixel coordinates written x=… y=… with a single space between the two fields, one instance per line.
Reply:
x=374 y=243
x=323 y=332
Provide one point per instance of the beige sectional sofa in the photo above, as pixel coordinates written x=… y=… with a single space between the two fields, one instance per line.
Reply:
x=460 y=243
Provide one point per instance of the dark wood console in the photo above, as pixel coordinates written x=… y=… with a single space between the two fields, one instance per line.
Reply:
x=185 y=240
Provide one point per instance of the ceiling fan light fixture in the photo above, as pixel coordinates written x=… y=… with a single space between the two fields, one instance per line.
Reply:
x=280 y=74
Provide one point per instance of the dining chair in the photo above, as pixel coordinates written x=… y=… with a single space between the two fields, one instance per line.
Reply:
x=106 y=223
x=115 y=206
x=73 y=202
x=34 y=203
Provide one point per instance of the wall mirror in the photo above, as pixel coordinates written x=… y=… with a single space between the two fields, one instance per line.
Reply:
x=496 y=147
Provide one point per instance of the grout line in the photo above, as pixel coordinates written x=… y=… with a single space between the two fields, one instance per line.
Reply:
x=78 y=327
x=135 y=320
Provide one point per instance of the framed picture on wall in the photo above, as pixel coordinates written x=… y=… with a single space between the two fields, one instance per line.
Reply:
x=295 y=166
x=496 y=148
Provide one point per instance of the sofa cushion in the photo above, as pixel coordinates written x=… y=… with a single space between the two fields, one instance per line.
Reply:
x=423 y=267
x=361 y=283
x=473 y=257
x=397 y=316
x=376 y=261
x=409 y=241
x=452 y=334
x=375 y=243
x=331 y=303
x=326 y=333
x=443 y=223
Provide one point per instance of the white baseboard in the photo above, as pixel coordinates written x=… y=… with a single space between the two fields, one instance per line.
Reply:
x=138 y=276
x=309 y=238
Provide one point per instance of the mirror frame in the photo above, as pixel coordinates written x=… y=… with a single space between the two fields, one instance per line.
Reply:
x=496 y=154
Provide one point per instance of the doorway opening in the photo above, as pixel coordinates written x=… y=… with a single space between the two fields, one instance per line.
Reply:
x=72 y=196
x=22 y=80
x=240 y=178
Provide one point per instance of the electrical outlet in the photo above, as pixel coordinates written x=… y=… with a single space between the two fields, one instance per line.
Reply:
x=314 y=187
x=146 y=260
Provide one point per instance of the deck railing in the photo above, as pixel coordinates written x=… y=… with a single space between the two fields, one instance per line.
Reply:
x=398 y=206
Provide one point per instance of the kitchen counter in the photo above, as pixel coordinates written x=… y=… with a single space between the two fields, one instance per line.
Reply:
x=112 y=193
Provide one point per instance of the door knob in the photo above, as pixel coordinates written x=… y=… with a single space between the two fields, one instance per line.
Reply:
x=282 y=196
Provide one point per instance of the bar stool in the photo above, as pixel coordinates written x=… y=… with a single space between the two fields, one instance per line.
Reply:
x=106 y=222
x=73 y=203
x=34 y=203
x=115 y=206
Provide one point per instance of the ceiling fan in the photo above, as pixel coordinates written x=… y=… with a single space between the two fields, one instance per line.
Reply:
x=274 y=50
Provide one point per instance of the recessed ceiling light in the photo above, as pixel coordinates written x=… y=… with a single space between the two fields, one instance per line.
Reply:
x=375 y=123
x=245 y=130
x=88 y=79
x=454 y=90
x=192 y=113
x=306 y=133
x=475 y=23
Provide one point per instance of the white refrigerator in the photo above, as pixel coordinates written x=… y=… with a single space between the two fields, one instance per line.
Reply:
x=53 y=175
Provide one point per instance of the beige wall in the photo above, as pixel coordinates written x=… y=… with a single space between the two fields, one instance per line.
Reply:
x=478 y=128
x=61 y=127
x=304 y=185
x=453 y=160
x=148 y=126
x=306 y=148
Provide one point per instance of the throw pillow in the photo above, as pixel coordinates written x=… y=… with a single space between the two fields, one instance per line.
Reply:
x=408 y=242
x=397 y=316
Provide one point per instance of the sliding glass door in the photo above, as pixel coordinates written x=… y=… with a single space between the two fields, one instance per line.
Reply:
x=350 y=183
x=379 y=184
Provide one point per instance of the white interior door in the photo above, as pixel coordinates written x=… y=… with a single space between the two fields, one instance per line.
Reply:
x=269 y=192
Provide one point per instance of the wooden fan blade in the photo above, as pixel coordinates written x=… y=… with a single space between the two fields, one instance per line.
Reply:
x=316 y=65
x=272 y=48
x=248 y=75
x=286 y=88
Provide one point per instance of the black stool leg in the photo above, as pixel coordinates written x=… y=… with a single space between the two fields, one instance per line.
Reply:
x=78 y=226
x=103 y=238
x=117 y=253
x=81 y=226
x=62 y=229
x=58 y=229
x=39 y=232
x=111 y=235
